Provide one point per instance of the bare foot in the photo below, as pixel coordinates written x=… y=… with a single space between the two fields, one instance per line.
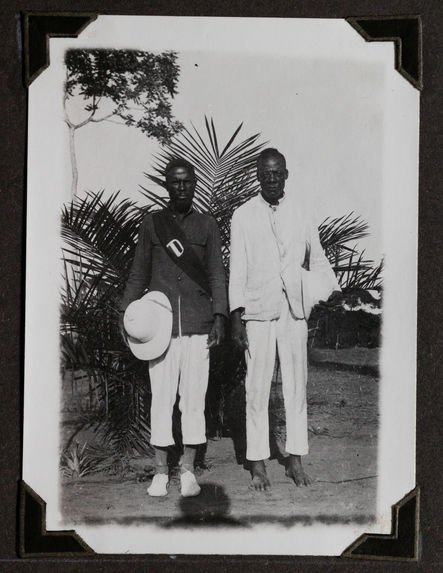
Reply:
x=296 y=472
x=260 y=481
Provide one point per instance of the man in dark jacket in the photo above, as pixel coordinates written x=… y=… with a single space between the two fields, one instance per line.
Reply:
x=198 y=320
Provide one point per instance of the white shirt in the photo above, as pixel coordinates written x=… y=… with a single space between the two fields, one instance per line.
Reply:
x=272 y=248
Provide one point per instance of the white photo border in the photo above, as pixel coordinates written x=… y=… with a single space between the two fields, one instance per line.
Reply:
x=48 y=175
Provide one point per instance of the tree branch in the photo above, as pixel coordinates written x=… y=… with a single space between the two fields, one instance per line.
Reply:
x=104 y=118
x=87 y=120
x=113 y=121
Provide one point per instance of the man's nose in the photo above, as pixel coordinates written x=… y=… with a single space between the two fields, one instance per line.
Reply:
x=181 y=185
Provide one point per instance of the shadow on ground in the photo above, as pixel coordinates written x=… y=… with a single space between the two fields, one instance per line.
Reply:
x=211 y=507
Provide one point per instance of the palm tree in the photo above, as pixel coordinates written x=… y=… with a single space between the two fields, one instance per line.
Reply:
x=352 y=269
x=225 y=174
x=99 y=242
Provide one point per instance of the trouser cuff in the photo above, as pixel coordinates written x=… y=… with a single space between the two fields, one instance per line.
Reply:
x=297 y=451
x=256 y=457
x=162 y=443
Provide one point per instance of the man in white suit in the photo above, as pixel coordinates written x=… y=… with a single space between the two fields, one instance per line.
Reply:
x=278 y=272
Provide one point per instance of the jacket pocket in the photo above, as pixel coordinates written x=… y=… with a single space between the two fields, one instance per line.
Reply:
x=199 y=247
x=254 y=300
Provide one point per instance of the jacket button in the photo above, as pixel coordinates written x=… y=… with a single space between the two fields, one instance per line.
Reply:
x=179 y=278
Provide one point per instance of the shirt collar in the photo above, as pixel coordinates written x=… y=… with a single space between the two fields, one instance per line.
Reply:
x=269 y=204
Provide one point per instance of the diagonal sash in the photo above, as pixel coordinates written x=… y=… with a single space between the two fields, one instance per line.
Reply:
x=179 y=249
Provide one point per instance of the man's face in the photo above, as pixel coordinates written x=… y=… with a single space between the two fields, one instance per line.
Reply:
x=272 y=174
x=180 y=184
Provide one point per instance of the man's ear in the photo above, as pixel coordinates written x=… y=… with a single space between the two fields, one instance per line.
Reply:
x=286 y=174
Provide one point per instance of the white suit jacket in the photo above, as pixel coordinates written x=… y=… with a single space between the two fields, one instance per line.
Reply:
x=276 y=250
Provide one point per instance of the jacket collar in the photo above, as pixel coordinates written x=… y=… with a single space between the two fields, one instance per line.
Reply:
x=174 y=213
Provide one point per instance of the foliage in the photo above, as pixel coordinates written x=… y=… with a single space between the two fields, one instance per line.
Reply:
x=127 y=87
x=78 y=461
x=138 y=86
x=75 y=461
x=100 y=237
x=225 y=174
x=352 y=269
x=335 y=234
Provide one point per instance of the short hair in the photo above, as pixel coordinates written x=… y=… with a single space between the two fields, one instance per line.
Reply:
x=179 y=162
x=270 y=152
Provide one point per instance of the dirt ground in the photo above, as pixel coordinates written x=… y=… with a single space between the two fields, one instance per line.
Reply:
x=343 y=424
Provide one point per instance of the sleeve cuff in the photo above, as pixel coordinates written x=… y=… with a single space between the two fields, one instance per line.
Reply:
x=220 y=309
x=236 y=301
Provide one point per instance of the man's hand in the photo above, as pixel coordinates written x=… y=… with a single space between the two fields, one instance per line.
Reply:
x=335 y=299
x=238 y=331
x=217 y=334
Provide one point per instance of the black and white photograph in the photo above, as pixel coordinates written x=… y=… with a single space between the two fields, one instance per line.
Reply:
x=221 y=285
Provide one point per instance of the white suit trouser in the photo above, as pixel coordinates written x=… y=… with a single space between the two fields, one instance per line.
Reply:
x=183 y=367
x=290 y=336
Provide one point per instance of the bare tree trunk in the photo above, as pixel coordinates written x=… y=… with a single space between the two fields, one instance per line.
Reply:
x=73 y=161
x=72 y=128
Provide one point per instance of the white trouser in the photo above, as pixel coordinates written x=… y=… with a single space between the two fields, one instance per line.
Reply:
x=290 y=336
x=183 y=367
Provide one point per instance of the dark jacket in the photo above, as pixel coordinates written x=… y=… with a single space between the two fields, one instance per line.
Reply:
x=153 y=269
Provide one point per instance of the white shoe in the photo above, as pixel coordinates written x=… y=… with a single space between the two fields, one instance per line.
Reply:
x=159 y=485
x=189 y=485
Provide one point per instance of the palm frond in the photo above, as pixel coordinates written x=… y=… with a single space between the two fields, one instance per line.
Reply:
x=349 y=264
x=341 y=230
x=225 y=179
x=100 y=234
x=126 y=427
